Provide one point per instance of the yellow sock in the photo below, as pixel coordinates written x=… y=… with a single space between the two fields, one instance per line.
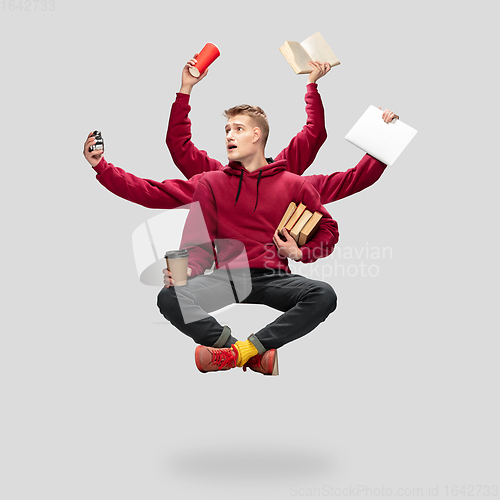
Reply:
x=246 y=350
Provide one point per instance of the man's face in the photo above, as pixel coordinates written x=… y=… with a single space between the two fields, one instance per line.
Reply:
x=241 y=138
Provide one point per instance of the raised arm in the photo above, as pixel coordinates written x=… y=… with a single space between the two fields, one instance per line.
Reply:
x=186 y=156
x=304 y=147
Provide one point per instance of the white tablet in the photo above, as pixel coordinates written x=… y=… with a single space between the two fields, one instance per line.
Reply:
x=384 y=141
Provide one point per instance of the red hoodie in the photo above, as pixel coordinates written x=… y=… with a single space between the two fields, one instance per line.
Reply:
x=174 y=193
x=246 y=207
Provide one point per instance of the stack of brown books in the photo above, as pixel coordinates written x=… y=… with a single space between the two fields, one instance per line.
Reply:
x=301 y=223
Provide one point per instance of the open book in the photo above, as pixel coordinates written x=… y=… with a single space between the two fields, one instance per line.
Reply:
x=384 y=141
x=301 y=223
x=313 y=48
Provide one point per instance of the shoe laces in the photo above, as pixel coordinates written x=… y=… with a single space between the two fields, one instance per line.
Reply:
x=223 y=358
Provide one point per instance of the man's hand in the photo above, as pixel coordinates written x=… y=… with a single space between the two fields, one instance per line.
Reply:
x=93 y=157
x=388 y=116
x=188 y=80
x=319 y=70
x=167 y=277
x=288 y=248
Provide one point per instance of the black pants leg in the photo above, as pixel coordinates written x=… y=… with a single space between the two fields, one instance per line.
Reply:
x=186 y=308
x=305 y=304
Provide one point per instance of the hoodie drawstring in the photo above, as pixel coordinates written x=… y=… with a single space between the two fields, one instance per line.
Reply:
x=257 y=198
x=239 y=187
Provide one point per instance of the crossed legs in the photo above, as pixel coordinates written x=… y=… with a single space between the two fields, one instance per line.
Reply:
x=305 y=303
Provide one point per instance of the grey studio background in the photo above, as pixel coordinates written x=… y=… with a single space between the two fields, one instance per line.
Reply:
x=395 y=395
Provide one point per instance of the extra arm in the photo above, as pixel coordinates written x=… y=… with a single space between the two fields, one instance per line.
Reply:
x=339 y=185
x=146 y=192
x=200 y=230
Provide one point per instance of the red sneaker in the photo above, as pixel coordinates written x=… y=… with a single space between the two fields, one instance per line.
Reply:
x=266 y=363
x=211 y=359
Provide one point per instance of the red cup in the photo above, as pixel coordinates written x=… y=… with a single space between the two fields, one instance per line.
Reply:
x=205 y=58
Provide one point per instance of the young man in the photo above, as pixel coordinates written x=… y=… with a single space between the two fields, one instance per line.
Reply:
x=241 y=206
x=299 y=153
x=174 y=193
x=311 y=302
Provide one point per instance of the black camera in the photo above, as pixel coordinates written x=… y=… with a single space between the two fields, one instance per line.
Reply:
x=99 y=141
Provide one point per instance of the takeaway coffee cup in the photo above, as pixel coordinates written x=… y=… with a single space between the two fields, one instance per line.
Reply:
x=177 y=263
x=205 y=58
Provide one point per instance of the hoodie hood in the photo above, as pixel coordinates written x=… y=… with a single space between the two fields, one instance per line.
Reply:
x=237 y=169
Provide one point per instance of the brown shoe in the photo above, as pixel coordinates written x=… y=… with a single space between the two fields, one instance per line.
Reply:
x=266 y=363
x=211 y=359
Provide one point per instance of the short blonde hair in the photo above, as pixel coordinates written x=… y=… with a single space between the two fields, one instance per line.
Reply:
x=257 y=114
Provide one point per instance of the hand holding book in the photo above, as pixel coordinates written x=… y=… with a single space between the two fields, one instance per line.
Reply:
x=320 y=69
x=287 y=248
x=313 y=48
